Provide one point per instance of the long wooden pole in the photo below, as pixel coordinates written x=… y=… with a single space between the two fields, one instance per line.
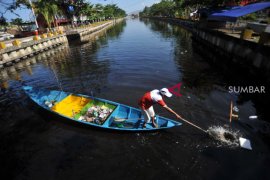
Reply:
x=194 y=125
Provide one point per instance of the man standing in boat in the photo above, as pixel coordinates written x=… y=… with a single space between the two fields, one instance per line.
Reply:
x=149 y=99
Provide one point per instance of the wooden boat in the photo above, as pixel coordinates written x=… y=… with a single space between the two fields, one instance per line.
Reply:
x=95 y=111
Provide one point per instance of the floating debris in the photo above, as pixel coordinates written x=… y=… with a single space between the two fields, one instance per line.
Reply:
x=245 y=143
x=253 y=117
x=235 y=109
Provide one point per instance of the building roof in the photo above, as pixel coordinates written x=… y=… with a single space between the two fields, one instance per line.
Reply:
x=235 y=12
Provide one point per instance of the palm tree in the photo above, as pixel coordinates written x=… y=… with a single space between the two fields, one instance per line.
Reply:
x=49 y=11
x=55 y=10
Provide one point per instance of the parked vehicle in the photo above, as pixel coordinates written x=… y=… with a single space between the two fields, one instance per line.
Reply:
x=28 y=30
x=5 y=36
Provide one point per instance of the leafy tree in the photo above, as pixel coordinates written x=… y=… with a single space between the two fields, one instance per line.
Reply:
x=182 y=8
x=87 y=10
x=54 y=9
x=99 y=12
x=119 y=12
x=145 y=12
x=17 y=21
x=164 y=8
x=3 y=21
x=109 y=10
x=50 y=8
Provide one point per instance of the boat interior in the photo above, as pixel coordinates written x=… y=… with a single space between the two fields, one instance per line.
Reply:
x=76 y=107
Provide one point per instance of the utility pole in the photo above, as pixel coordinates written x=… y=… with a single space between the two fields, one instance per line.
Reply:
x=33 y=13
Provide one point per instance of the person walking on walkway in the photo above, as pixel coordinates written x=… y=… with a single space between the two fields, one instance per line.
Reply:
x=154 y=97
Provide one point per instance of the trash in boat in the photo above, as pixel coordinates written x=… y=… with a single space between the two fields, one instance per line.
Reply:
x=49 y=103
x=245 y=143
x=253 y=117
x=81 y=118
x=96 y=114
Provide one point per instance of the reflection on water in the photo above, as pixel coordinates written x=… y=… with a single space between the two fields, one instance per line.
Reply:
x=121 y=65
x=102 y=34
x=206 y=80
x=14 y=73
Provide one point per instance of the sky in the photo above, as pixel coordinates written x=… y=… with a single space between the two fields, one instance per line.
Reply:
x=127 y=5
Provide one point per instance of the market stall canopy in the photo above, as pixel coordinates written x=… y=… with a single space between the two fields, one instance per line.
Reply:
x=235 y=12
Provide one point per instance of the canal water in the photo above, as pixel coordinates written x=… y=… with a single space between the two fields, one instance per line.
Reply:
x=121 y=64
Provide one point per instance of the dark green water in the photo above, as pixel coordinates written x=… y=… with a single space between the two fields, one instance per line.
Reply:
x=121 y=65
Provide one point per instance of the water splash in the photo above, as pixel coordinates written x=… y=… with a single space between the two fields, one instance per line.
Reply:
x=225 y=136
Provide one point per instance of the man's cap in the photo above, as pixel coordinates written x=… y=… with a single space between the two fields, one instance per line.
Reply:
x=165 y=92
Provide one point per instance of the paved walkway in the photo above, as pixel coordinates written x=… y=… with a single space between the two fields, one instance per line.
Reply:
x=237 y=34
x=23 y=40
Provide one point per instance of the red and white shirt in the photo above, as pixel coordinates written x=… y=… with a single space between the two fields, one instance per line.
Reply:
x=151 y=98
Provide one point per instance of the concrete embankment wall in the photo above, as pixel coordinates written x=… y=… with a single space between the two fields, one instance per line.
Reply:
x=13 y=54
x=46 y=57
x=249 y=55
x=226 y=50
x=80 y=35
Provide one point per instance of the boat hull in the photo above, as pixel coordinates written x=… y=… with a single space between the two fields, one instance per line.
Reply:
x=75 y=107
